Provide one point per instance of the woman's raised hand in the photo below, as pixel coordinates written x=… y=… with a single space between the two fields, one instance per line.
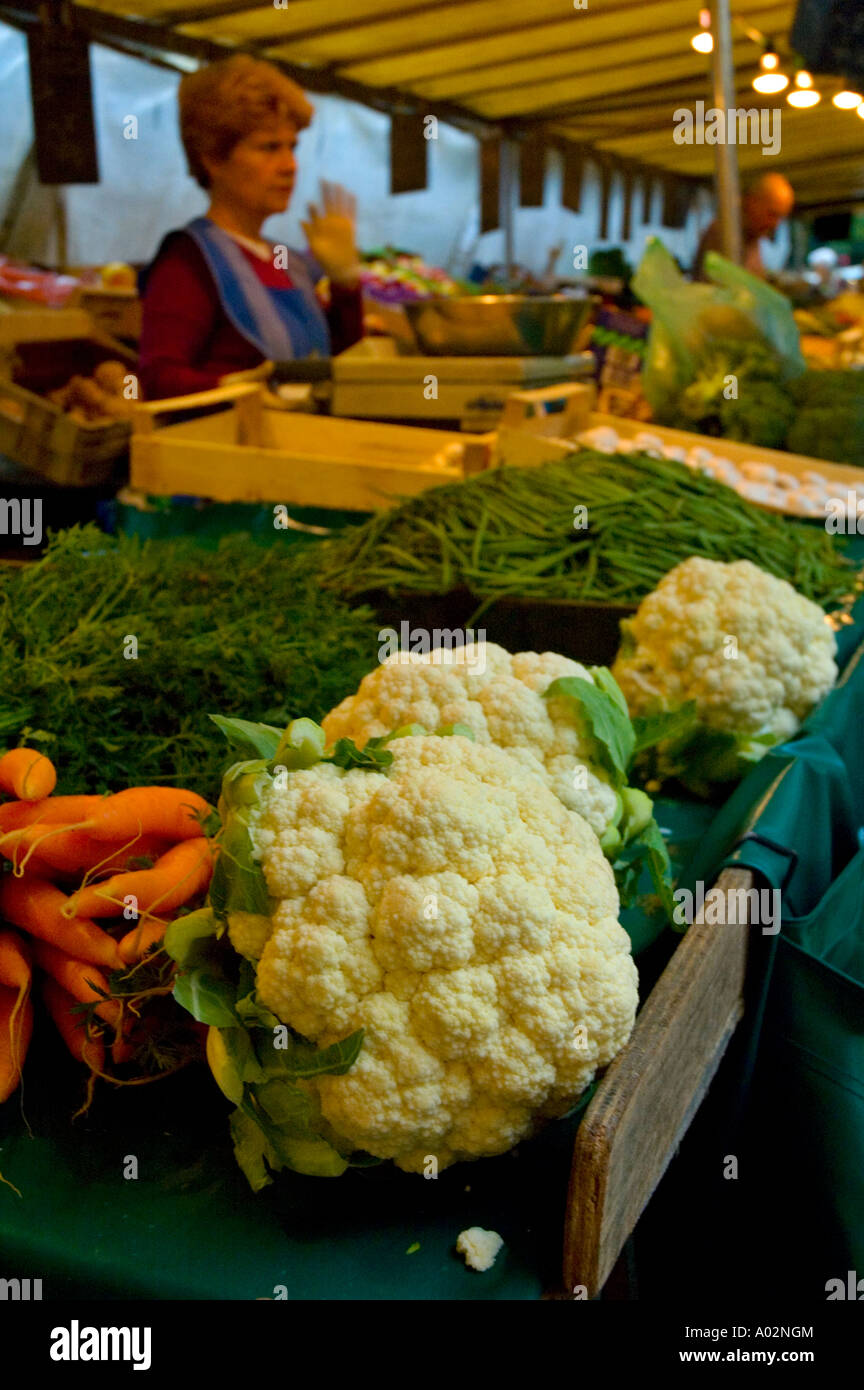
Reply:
x=330 y=232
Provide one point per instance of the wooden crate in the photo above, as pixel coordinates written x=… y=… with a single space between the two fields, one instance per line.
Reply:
x=250 y=453
x=651 y=1092
x=38 y=434
x=114 y=311
x=796 y=464
x=526 y=438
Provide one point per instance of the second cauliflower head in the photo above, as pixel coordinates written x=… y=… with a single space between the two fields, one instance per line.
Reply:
x=498 y=695
x=752 y=653
x=461 y=916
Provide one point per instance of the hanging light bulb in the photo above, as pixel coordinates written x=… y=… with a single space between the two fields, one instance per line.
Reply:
x=770 y=79
x=703 y=41
x=847 y=99
x=803 y=93
x=860 y=111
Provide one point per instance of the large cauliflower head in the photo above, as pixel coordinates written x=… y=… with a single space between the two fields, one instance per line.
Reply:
x=461 y=916
x=499 y=696
x=753 y=653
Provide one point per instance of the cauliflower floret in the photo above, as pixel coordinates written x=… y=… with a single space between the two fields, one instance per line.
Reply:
x=248 y=933
x=499 y=697
x=464 y=919
x=480 y=1247
x=755 y=655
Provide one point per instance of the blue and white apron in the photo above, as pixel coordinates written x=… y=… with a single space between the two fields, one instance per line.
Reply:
x=283 y=324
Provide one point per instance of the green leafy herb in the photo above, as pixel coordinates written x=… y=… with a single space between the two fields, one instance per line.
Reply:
x=251 y=629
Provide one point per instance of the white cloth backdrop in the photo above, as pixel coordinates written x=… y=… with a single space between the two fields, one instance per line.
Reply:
x=145 y=189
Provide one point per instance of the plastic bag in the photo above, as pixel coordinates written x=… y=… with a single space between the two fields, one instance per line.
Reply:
x=691 y=319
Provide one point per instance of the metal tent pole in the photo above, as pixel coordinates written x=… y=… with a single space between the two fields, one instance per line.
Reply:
x=508 y=195
x=726 y=163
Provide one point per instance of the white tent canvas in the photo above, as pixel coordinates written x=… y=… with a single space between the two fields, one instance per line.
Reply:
x=145 y=189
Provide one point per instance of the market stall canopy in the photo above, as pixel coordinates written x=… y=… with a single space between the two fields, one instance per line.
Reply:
x=609 y=76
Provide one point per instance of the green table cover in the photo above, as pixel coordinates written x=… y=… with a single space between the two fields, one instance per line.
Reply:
x=798 y=1127
x=189 y=1227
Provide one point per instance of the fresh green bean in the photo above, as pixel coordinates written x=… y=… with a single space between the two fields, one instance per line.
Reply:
x=502 y=532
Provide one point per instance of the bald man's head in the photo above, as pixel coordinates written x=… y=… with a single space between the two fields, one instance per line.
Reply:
x=766 y=203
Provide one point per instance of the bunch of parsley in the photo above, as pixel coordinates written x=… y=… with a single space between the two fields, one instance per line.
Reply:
x=113 y=650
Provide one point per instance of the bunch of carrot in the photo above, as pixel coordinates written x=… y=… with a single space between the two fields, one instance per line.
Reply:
x=88 y=844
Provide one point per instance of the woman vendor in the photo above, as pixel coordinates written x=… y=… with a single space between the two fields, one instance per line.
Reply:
x=218 y=299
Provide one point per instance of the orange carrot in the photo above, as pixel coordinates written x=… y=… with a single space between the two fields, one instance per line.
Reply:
x=175 y=878
x=73 y=851
x=16 y=1027
x=78 y=977
x=121 y=1049
x=71 y=1026
x=15 y=969
x=27 y=774
x=37 y=907
x=52 y=810
x=136 y=943
x=166 y=811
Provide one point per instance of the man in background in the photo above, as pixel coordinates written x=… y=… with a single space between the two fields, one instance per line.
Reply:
x=766 y=203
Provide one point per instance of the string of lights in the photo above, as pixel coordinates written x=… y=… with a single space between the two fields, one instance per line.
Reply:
x=771 y=79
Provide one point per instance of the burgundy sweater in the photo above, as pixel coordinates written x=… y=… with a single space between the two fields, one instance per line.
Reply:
x=187 y=340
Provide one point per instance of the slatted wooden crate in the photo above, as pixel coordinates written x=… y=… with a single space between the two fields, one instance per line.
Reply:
x=38 y=434
x=249 y=453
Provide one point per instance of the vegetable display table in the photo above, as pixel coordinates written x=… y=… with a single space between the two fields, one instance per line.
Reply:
x=167 y=1213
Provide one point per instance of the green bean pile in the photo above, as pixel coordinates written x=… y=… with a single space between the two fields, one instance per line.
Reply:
x=510 y=531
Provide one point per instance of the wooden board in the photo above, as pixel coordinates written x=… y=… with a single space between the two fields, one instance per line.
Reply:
x=650 y=1093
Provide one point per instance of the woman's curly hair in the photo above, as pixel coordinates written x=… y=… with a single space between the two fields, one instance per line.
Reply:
x=228 y=100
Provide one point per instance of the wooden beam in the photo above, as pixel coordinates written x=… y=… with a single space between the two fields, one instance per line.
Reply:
x=496 y=31
x=223 y=9
x=678 y=36
x=366 y=22
x=557 y=109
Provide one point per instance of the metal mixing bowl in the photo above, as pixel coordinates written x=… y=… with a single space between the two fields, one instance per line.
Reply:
x=499 y=325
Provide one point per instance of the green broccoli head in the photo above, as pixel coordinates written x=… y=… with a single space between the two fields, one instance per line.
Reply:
x=754 y=372
x=833 y=432
x=762 y=414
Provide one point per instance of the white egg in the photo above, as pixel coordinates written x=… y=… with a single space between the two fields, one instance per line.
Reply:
x=786 y=481
x=676 y=452
x=727 y=475
x=758 y=472
x=803 y=505
x=699 y=455
x=756 y=492
x=645 y=442
x=811 y=477
x=602 y=438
